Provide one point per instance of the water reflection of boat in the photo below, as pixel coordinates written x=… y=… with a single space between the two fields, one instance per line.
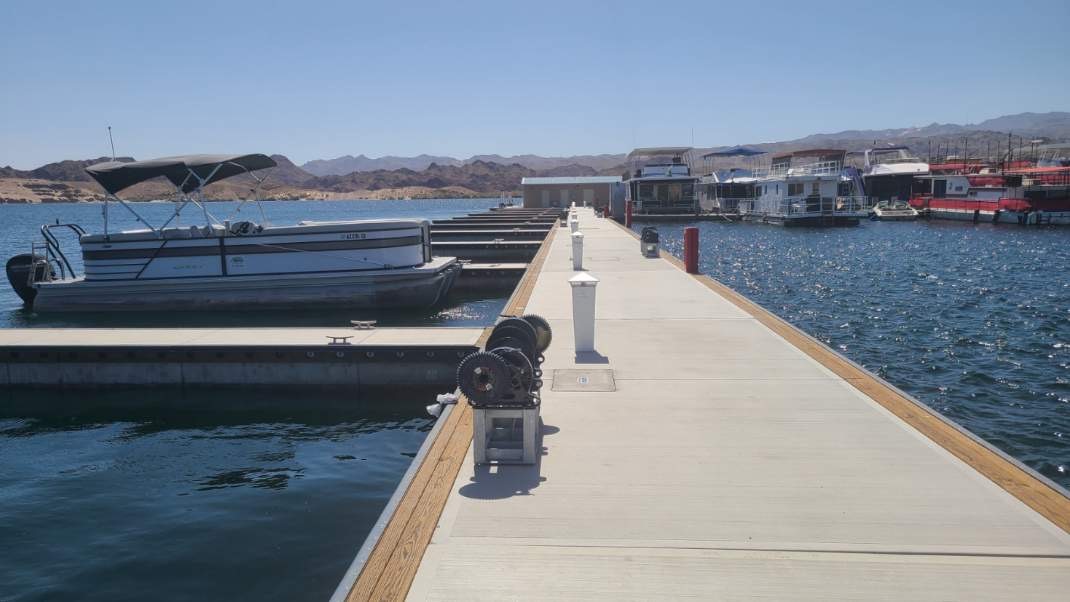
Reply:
x=889 y=211
x=224 y=264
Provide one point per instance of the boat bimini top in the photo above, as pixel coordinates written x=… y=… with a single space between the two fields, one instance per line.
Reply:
x=189 y=174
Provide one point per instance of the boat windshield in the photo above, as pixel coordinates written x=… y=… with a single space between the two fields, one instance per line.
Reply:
x=892 y=155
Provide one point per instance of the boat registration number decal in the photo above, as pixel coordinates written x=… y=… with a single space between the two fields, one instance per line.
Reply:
x=354 y=236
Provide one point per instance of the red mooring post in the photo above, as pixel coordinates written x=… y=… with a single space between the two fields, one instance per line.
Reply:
x=691 y=250
x=628 y=214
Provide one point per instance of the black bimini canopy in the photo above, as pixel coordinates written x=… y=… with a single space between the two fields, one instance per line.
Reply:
x=180 y=171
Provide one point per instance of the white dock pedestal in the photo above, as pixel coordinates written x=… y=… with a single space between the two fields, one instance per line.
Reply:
x=505 y=435
x=577 y=251
x=583 y=296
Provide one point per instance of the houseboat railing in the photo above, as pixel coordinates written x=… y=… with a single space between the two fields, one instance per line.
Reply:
x=805 y=206
x=820 y=168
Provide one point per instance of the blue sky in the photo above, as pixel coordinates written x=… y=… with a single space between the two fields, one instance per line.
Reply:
x=321 y=79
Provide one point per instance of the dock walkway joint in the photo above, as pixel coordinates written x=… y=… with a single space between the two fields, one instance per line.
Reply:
x=730 y=461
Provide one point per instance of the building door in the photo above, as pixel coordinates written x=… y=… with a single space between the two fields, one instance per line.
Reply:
x=545 y=198
x=588 y=197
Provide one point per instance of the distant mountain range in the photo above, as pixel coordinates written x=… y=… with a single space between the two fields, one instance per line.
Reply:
x=349 y=164
x=1054 y=125
x=488 y=175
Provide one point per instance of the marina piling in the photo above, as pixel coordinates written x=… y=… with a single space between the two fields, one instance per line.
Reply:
x=691 y=250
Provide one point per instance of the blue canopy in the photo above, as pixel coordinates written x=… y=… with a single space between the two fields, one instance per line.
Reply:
x=735 y=151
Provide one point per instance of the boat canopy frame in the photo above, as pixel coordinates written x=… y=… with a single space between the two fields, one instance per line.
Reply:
x=189 y=174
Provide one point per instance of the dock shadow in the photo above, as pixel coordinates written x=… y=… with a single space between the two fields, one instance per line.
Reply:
x=591 y=357
x=501 y=481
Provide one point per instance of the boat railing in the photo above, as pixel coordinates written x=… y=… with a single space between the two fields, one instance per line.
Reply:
x=53 y=254
x=820 y=168
x=686 y=202
x=805 y=206
x=780 y=170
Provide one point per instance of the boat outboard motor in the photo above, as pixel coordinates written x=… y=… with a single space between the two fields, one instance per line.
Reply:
x=18 y=274
x=648 y=241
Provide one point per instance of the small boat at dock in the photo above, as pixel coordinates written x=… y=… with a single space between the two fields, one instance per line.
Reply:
x=223 y=264
x=893 y=211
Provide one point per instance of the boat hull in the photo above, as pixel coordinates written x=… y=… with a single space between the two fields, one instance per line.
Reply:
x=416 y=287
x=816 y=221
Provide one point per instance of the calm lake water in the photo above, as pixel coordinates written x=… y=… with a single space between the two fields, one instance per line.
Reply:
x=134 y=495
x=973 y=320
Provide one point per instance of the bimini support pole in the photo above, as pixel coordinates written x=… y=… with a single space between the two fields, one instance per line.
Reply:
x=256 y=198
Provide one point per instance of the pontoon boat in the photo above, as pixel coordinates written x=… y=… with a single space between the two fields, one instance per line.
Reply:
x=224 y=264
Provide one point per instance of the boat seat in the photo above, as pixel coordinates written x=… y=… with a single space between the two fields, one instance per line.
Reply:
x=168 y=233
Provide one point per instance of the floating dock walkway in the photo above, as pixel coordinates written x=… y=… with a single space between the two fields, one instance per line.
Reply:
x=709 y=450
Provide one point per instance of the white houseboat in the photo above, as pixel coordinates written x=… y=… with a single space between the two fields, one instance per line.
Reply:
x=888 y=173
x=660 y=182
x=807 y=188
x=225 y=264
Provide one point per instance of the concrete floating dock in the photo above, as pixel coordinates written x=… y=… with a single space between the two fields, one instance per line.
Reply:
x=488 y=277
x=264 y=357
x=505 y=234
x=731 y=457
x=486 y=250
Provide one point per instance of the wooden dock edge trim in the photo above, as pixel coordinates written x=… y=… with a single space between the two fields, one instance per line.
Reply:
x=1042 y=495
x=391 y=566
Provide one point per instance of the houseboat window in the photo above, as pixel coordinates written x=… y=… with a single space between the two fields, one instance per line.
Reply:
x=844 y=189
x=778 y=188
x=815 y=189
x=795 y=189
x=757 y=191
x=646 y=191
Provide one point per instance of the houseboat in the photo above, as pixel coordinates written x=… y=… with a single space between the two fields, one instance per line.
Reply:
x=227 y=264
x=1026 y=195
x=720 y=190
x=888 y=173
x=807 y=188
x=660 y=182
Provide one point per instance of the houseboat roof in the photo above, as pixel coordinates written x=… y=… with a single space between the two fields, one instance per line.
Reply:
x=659 y=150
x=115 y=176
x=810 y=152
